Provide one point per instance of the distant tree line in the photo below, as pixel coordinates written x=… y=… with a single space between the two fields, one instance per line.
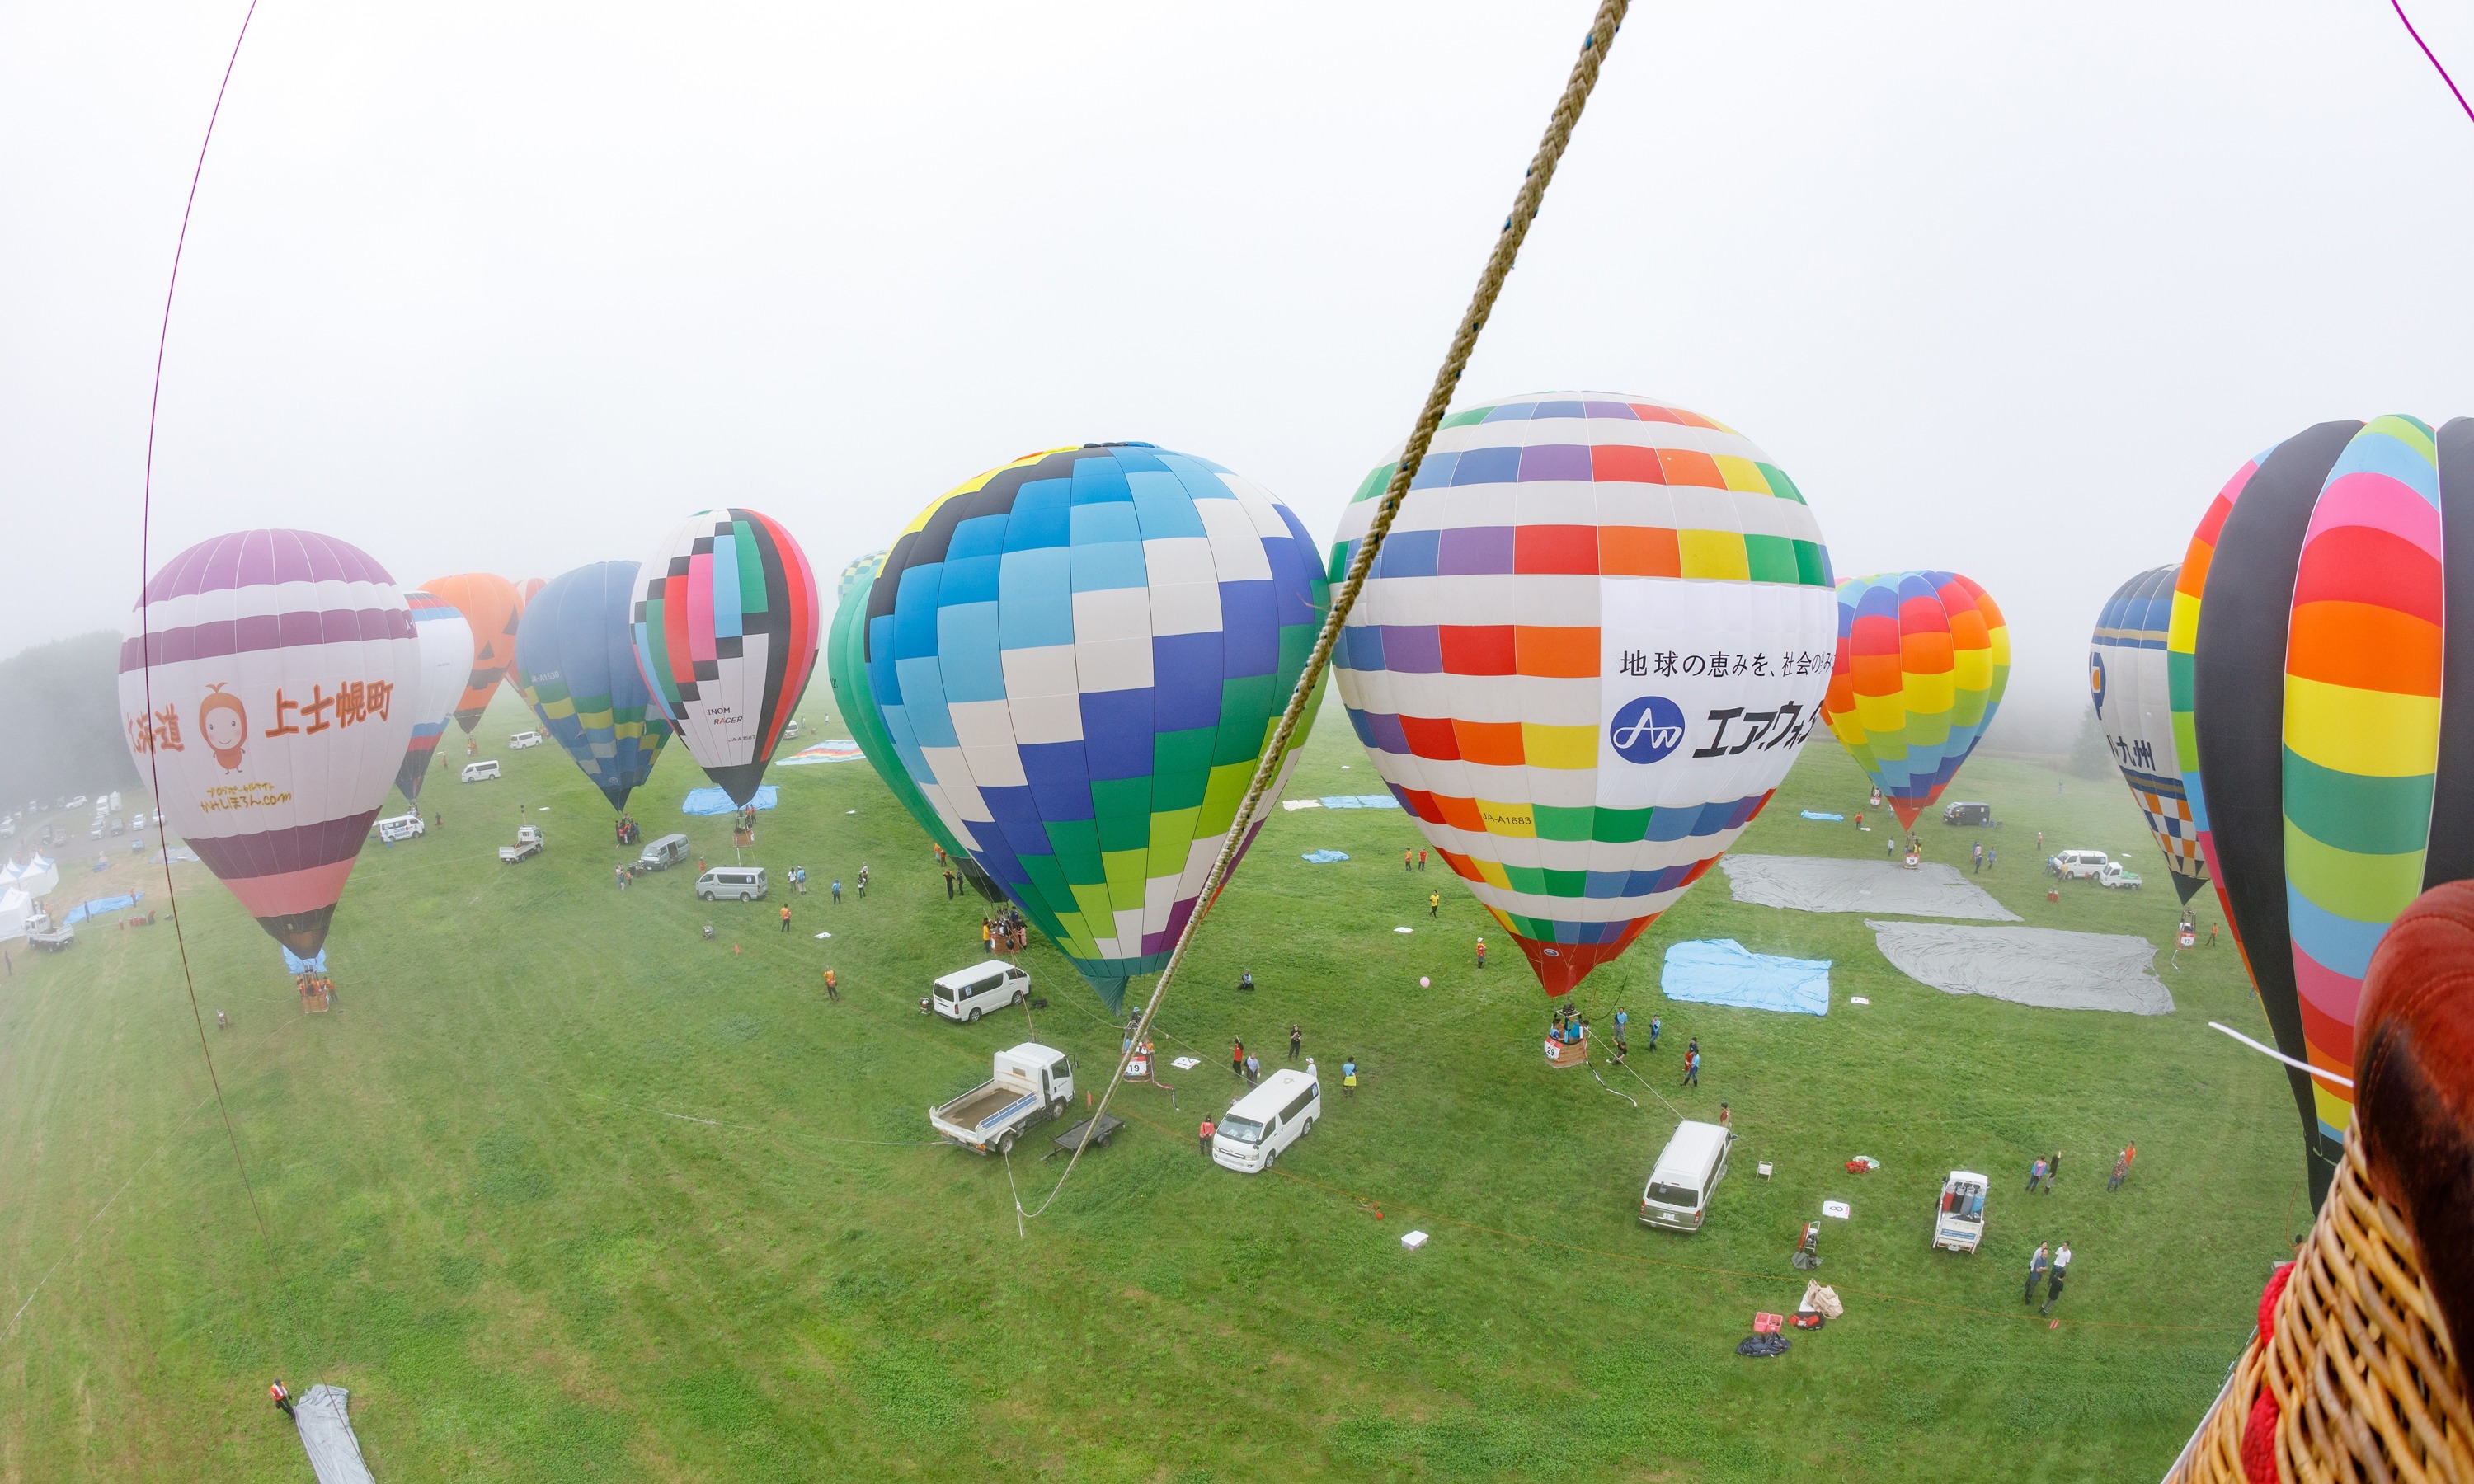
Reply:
x=63 y=704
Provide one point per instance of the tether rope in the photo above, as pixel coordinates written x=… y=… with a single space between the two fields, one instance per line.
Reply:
x=1438 y=398
x=2432 y=57
x=145 y=628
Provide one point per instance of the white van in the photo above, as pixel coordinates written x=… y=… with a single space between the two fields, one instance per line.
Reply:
x=1266 y=1120
x=523 y=739
x=401 y=827
x=2078 y=865
x=1684 y=1177
x=476 y=772
x=736 y=883
x=663 y=853
x=967 y=994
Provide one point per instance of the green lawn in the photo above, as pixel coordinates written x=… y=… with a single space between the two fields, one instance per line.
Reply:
x=566 y=1192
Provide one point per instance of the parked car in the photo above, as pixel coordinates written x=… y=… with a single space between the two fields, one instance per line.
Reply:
x=734 y=883
x=477 y=772
x=528 y=844
x=523 y=739
x=1030 y=1084
x=2078 y=865
x=1684 y=1177
x=663 y=853
x=401 y=827
x=1256 y=1129
x=1967 y=812
x=2111 y=874
x=967 y=994
x=1958 y=1223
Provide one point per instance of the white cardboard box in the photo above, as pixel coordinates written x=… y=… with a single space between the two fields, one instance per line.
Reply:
x=1413 y=1240
x=1837 y=1208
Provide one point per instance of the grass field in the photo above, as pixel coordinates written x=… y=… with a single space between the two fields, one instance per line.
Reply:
x=564 y=1192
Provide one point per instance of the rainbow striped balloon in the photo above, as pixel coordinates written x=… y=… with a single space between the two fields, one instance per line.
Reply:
x=2338 y=779
x=1923 y=658
x=2181 y=636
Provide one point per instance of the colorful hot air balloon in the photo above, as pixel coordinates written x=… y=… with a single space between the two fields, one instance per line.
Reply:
x=490 y=605
x=575 y=667
x=1923 y=658
x=2333 y=724
x=1593 y=641
x=1079 y=660
x=726 y=621
x=846 y=671
x=446 y=659
x=526 y=591
x=268 y=674
x=2127 y=680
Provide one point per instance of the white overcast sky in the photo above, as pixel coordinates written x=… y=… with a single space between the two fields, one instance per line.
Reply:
x=2008 y=289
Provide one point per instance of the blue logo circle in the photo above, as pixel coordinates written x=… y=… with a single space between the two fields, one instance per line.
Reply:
x=2096 y=682
x=1646 y=729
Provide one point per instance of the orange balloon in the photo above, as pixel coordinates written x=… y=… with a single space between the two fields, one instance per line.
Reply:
x=491 y=605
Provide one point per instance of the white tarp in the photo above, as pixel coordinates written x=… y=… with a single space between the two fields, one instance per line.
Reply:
x=2043 y=967
x=1828 y=883
x=13 y=907
x=327 y=1433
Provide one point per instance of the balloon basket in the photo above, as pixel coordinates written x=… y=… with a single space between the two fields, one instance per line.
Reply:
x=2359 y=1377
x=314 y=999
x=1565 y=1055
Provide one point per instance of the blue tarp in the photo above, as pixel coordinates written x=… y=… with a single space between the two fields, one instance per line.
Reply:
x=99 y=907
x=1835 y=818
x=1359 y=801
x=713 y=800
x=1719 y=972
x=1324 y=857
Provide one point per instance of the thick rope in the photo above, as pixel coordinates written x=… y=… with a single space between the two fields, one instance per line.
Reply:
x=1439 y=400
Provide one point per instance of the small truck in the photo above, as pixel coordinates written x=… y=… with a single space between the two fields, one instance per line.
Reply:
x=40 y=933
x=528 y=844
x=1958 y=1222
x=2112 y=877
x=1031 y=1084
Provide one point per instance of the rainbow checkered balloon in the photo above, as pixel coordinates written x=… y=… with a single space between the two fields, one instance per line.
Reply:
x=1590 y=648
x=1077 y=660
x=1923 y=658
x=2336 y=776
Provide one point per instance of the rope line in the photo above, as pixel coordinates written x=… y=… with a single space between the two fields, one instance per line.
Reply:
x=1464 y=344
x=2398 y=6
x=145 y=570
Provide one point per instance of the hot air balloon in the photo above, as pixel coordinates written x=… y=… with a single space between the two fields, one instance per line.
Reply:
x=490 y=605
x=1078 y=658
x=446 y=659
x=846 y=671
x=525 y=590
x=575 y=667
x=2333 y=725
x=1589 y=649
x=268 y=675
x=1923 y=658
x=2127 y=680
x=727 y=623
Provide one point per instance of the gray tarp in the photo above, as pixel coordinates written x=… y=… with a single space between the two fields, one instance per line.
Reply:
x=327 y=1432
x=2043 y=967
x=1825 y=883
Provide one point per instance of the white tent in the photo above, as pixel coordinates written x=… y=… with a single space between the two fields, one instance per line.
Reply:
x=14 y=908
x=37 y=879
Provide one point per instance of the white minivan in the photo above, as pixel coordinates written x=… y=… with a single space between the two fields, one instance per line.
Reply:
x=969 y=993
x=2078 y=865
x=476 y=772
x=1684 y=1177
x=737 y=883
x=1266 y=1120
x=523 y=739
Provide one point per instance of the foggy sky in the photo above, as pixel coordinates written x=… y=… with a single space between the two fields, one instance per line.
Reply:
x=2009 y=290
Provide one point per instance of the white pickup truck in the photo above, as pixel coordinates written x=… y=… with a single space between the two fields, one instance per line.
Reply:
x=1031 y=1084
x=2111 y=877
x=528 y=844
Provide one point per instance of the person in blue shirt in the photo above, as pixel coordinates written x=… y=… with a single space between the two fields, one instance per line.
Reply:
x=1655 y=1025
x=1622 y=1020
x=1348 y=1077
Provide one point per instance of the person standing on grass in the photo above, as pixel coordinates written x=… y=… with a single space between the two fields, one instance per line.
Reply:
x=283 y=1399
x=1297 y=1039
x=1204 y=1135
x=1992 y=858
x=2052 y=1170
x=863 y=880
x=1349 y=1076
x=838 y=890
x=2035 y=1174
x=1692 y=1047
x=2061 y=1271
x=785 y=917
x=1408 y=859
x=833 y=991
x=1422 y=860
x=949 y=882
x=2036 y=1266
x=222 y=1022
x=1693 y=1068
x=1237 y=1059
x=1656 y=1024
x=2120 y=1172
x=1253 y=1070
x=1623 y=1018
x=1980 y=857
x=1433 y=904
x=1481 y=953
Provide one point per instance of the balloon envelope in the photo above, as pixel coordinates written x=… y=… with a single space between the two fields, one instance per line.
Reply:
x=2128 y=683
x=1592 y=644
x=2333 y=724
x=726 y=624
x=267 y=673
x=575 y=667
x=1923 y=658
x=490 y=606
x=445 y=659
x=1079 y=660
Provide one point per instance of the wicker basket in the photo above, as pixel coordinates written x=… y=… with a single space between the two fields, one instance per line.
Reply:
x=2367 y=1386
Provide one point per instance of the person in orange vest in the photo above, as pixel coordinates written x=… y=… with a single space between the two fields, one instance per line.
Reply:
x=1481 y=953
x=1408 y=859
x=282 y=1399
x=785 y=917
x=831 y=993
x=1204 y=1137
